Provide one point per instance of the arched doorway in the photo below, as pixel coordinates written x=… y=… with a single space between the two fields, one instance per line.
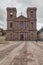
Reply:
x=21 y=37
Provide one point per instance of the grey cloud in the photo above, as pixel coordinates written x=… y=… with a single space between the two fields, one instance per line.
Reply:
x=40 y=12
x=21 y=6
x=27 y=2
x=2 y=14
x=32 y=3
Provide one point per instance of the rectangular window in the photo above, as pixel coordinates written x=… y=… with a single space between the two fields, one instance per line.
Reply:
x=11 y=25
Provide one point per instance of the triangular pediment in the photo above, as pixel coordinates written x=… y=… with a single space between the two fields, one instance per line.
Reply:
x=21 y=17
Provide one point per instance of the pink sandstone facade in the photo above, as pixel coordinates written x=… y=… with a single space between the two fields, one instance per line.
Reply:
x=21 y=28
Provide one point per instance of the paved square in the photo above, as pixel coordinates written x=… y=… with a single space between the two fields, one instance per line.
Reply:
x=21 y=53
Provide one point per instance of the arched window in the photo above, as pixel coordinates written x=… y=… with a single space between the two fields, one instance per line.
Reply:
x=32 y=25
x=21 y=24
x=11 y=14
x=32 y=14
x=11 y=25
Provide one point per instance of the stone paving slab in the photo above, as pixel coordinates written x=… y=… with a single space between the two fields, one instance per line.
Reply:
x=27 y=53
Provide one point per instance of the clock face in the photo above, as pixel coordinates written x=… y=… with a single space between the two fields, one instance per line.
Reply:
x=21 y=24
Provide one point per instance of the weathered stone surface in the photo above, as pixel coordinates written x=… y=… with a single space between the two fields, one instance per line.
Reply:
x=22 y=53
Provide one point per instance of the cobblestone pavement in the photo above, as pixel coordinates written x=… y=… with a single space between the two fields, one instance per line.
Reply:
x=22 y=53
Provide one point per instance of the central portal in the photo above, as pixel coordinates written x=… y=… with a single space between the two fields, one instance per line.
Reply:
x=21 y=37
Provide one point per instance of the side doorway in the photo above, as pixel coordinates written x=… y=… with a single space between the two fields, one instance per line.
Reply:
x=21 y=37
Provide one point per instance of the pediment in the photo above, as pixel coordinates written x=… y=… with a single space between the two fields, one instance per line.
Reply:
x=23 y=17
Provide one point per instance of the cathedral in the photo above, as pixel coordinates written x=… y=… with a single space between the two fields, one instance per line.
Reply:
x=21 y=28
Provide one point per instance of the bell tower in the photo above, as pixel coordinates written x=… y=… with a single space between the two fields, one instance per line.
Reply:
x=31 y=13
x=11 y=15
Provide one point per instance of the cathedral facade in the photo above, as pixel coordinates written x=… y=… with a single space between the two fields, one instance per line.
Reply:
x=21 y=28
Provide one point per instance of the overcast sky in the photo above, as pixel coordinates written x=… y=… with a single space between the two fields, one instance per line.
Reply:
x=21 y=6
